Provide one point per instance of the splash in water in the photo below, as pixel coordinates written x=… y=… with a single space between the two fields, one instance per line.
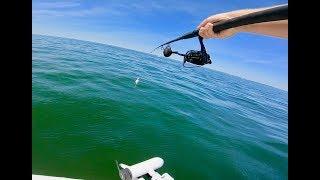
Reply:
x=136 y=82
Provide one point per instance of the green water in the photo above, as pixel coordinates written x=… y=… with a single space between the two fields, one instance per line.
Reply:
x=87 y=113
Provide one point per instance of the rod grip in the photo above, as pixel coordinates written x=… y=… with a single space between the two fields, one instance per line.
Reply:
x=271 y=14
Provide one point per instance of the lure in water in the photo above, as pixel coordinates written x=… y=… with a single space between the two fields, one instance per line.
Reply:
x=136 y=82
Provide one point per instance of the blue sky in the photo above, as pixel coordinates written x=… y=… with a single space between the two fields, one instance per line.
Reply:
x=143 y=25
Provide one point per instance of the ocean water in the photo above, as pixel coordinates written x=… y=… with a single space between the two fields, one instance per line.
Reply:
x=87 y=113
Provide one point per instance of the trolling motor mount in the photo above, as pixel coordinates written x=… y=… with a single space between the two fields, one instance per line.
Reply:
x=145 y=168
x=199 y=58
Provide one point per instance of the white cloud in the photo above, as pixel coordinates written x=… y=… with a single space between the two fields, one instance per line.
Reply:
x=75 y=13
x=56 y=5
x=115 y=8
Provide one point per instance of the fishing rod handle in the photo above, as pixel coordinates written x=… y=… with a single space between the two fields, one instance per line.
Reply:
x=271 y=14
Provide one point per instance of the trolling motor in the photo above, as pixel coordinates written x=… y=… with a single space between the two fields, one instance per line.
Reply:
x=201 y=57
x=192 y=56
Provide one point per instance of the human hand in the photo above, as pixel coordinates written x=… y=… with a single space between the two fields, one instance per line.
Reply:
x=207 y=25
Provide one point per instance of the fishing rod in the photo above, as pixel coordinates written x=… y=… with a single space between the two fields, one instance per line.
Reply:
x=201 y=57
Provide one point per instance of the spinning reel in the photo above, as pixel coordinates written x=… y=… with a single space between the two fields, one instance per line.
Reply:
x=199 y=58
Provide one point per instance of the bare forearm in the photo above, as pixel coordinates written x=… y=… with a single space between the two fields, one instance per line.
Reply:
x=275 y=28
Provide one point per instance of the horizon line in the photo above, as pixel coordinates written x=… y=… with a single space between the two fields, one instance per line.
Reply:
x=286 y=90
